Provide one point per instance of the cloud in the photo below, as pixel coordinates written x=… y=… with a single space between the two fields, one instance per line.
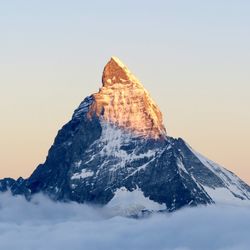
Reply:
x=43 y=224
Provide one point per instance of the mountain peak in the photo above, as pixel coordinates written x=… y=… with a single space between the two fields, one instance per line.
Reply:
x=114 y=152
x=116 y=71
x=123 y=101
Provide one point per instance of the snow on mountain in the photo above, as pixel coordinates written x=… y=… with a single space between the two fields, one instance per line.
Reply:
x=128 y=203
x=115 y=152
x=233 y=187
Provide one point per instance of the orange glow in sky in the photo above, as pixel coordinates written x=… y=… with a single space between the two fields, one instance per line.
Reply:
x=193 y=58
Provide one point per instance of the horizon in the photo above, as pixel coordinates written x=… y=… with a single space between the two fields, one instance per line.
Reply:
x=196 y=72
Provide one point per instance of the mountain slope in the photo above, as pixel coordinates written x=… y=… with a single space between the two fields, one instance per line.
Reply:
x=115 y=152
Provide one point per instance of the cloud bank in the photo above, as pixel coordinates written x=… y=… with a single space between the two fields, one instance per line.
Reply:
x=46 y=225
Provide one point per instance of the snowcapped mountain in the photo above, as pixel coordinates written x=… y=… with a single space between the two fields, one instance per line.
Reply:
x=115 y=152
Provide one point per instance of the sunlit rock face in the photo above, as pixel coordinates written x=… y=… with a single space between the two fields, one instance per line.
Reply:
x=124 y=102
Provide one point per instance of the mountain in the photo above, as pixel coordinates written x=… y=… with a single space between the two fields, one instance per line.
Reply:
x=115 y=151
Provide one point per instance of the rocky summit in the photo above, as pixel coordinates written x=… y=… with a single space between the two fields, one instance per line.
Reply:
x=115 y=152
x=124 y=102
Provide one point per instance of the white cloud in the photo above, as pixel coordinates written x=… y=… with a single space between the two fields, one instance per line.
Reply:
x=46 y=225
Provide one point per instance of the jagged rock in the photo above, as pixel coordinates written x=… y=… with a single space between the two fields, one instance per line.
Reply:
x=124 y=102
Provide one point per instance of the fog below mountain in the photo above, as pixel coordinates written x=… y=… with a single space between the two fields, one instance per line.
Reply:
x=42 y=224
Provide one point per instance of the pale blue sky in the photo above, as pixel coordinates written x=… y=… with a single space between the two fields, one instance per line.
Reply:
x=192 y=56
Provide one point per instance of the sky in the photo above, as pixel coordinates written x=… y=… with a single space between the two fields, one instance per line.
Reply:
x=192 y=56
x=42 y=224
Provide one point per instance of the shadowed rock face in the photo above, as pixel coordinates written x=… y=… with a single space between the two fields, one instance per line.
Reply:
x=115 y=150
x=123 y=101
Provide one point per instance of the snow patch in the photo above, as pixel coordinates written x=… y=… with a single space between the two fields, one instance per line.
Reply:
x=78 y=163
x=84 y=174
x=83 y=107
x=233 y=184
x=129 y=203
x=181 y=166
x=112 y=140
x=224 y=196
